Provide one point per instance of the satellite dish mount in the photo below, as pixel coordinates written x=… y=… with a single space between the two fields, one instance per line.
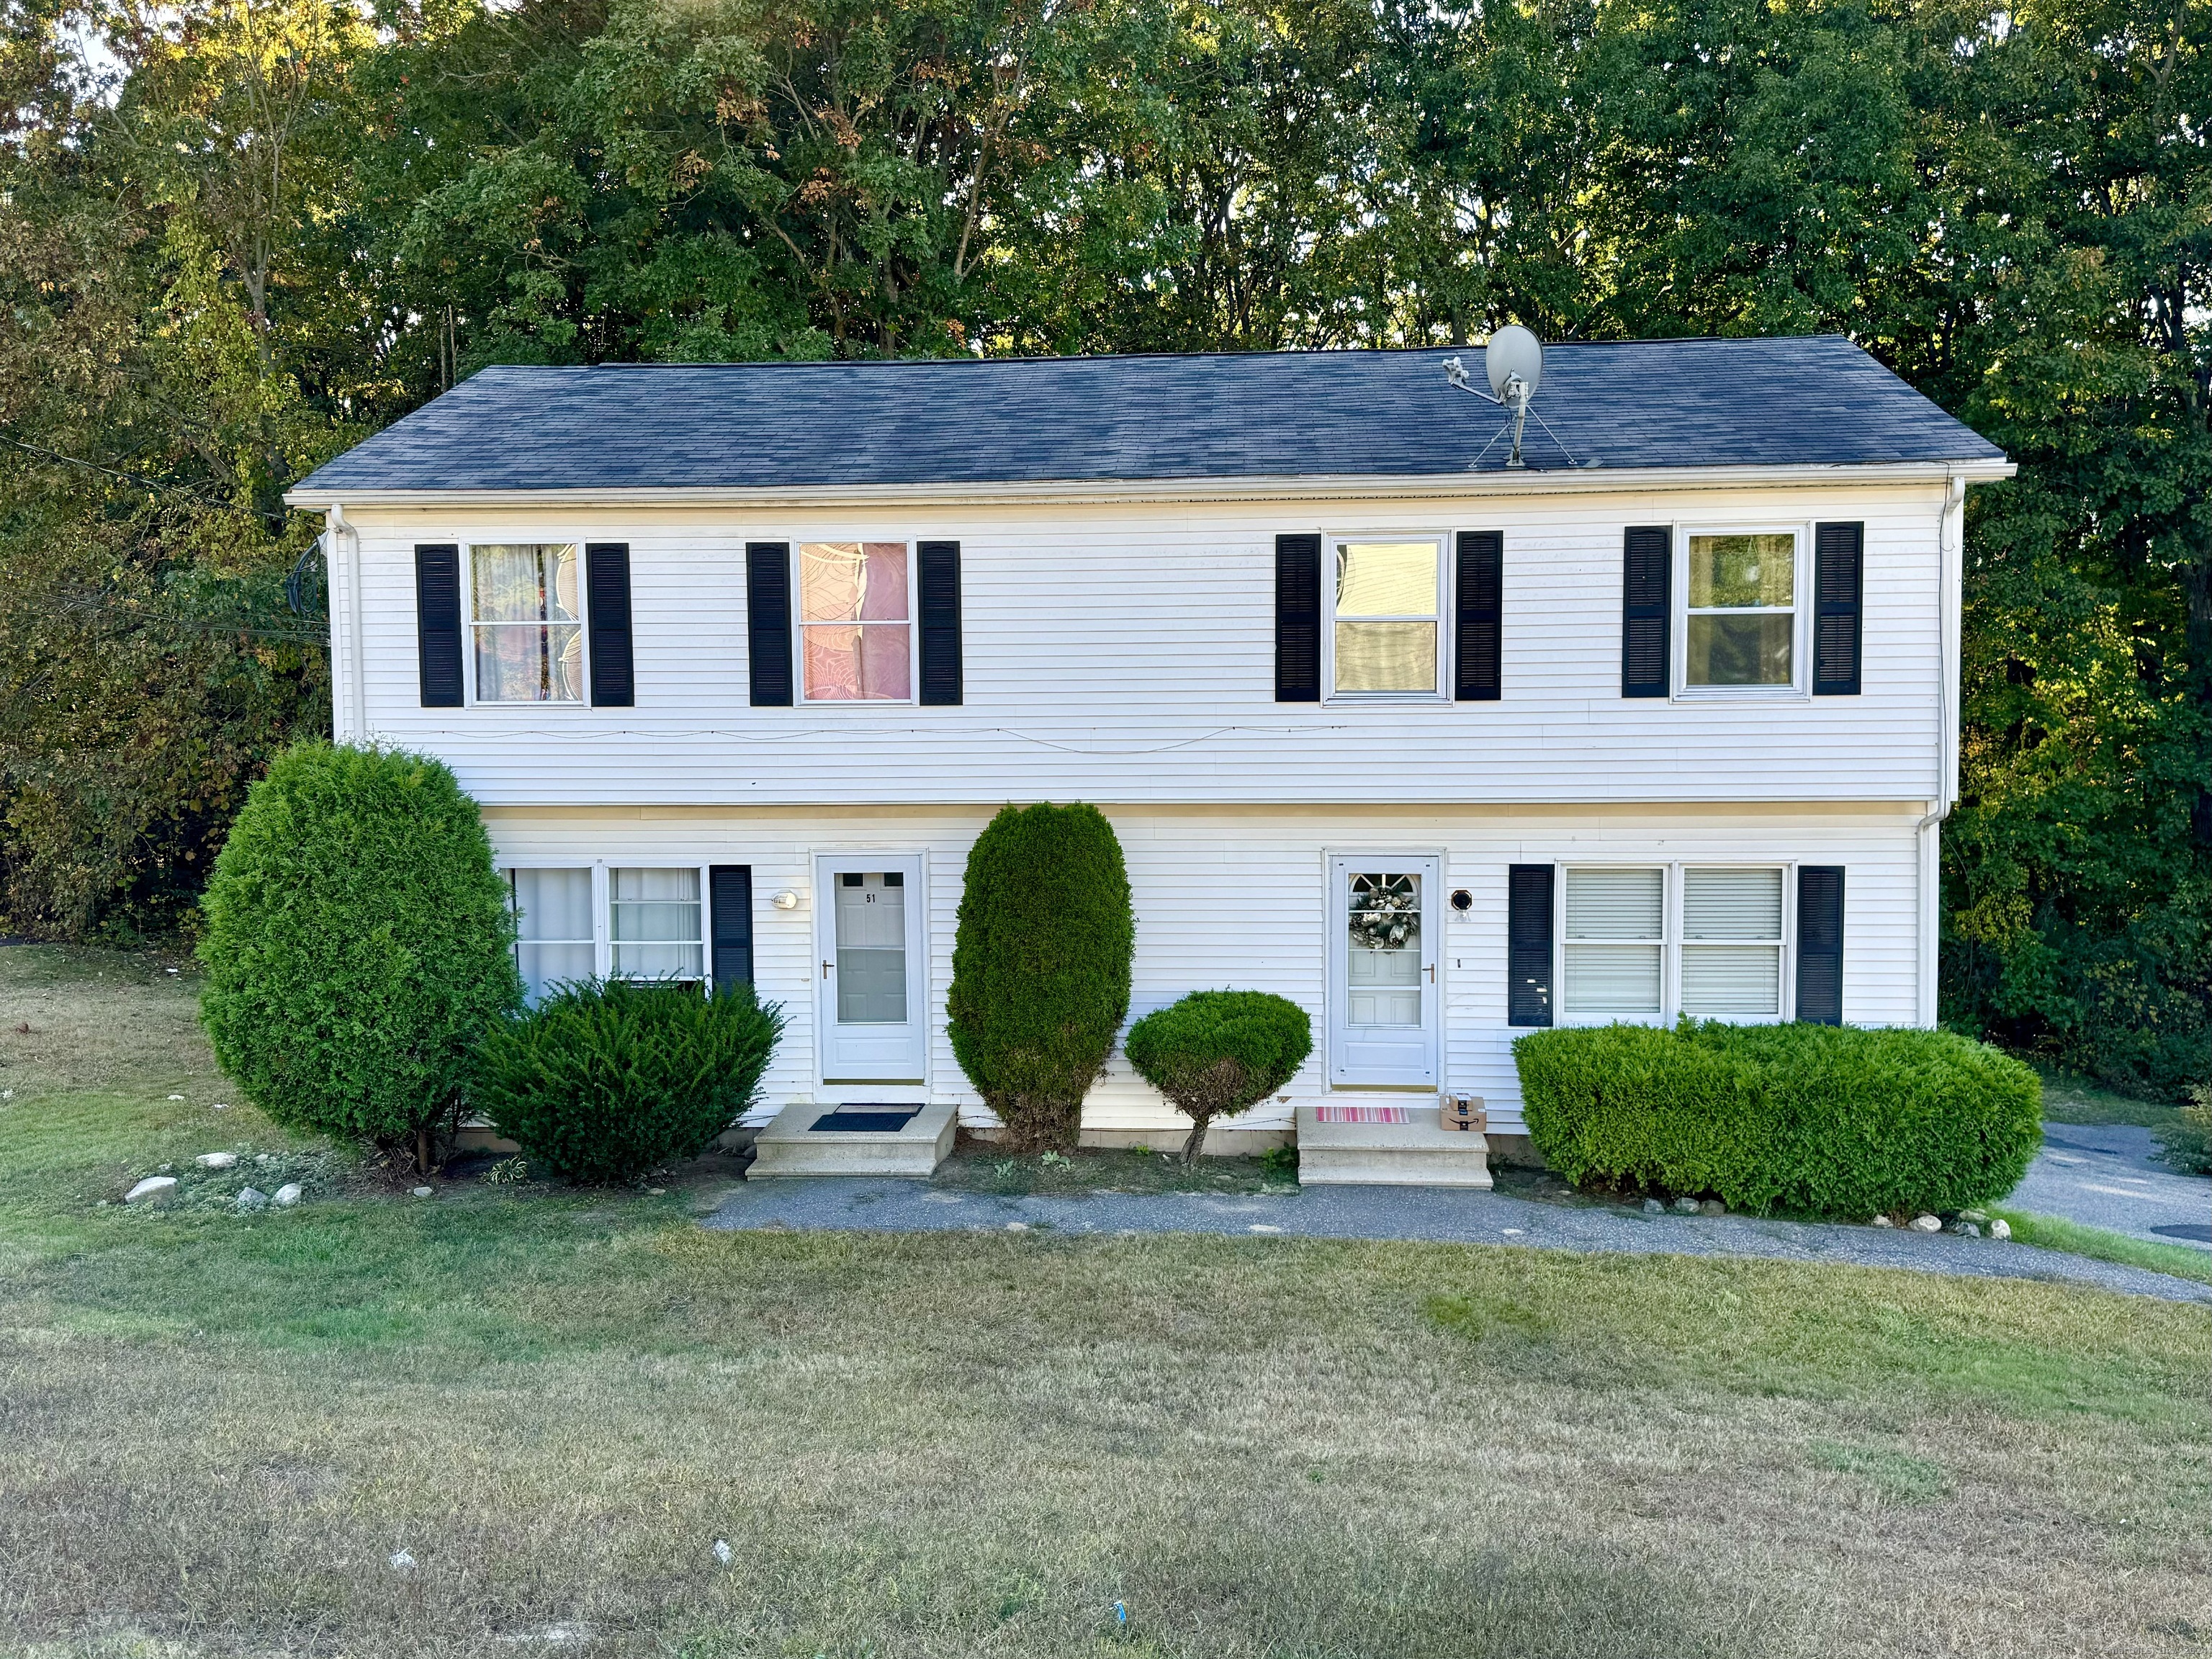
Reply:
x=1514 y=361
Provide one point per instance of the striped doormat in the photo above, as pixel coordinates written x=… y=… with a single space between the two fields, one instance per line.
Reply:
x=1362 y=1113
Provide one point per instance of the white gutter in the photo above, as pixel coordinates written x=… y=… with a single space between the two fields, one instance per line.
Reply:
x=349 y=688
x=1578 y=481
x=1950 y=577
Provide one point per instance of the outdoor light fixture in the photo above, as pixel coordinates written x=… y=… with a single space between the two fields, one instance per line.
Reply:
x=787 y=900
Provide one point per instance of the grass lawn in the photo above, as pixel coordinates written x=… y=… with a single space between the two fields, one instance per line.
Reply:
x=215 y=1431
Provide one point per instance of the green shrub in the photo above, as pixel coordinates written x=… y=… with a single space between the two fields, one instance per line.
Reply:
x=608 y=1082
x=1216 y=1053
x=2187 y=1144
x=1040 y=967
x=357 y=943
x=1819 y=1119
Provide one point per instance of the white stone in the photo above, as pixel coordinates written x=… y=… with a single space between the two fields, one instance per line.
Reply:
x=216 y=1160
x=1686 y=1207
x=153 y=1189
x=723 y=1553
x=176 y=1096
x=1262 y=1227
x=422 y=1191
x=1927 y=1224
x=287 y=1195
x=2001 y=1228
x=1017 y=1226
x=1653 y=1206
x=1965 y=1229
x=252 y=1199
x=1881 y=1221
x=402 y=1561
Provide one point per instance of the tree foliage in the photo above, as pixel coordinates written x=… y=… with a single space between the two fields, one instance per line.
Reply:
x=244 y=232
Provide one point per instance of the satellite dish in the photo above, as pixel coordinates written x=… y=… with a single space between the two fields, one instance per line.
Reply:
x=1514 y=351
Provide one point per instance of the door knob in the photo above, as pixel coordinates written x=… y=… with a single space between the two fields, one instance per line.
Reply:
x=825 y=970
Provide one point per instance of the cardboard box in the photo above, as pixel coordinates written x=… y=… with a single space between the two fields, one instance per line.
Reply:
x=1464 y=1112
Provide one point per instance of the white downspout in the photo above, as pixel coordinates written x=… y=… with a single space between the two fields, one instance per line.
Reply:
x=1950 y=576
x=348 y=691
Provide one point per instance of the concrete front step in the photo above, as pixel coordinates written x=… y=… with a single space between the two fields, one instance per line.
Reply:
x=1421 y=1153
x=792 y=1145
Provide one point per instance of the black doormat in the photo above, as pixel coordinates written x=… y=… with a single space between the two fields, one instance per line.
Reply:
x=867 y=1120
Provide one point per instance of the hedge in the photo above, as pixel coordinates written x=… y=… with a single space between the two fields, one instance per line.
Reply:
x=357 y=943
x=1215 y=1054
x=1820 y=1120
x=609 y=1082
x=1041 y=958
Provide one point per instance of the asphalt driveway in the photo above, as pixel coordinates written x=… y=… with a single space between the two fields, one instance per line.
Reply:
x=2107 y=1174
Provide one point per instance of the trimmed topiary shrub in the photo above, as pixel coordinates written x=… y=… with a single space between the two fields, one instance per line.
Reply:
x=1040 y=967
x=1819 y=1119
x=357 y=943
x=604 y=1083
x=1216 y=1054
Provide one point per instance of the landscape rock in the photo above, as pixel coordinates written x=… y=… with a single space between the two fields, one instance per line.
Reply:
x=1686 y=1205
x=2001 y=1228
x=1653 y=1206
x=153 y=1190
x=1881 y=1221
x=402 y=1561
x=216 y=1160
x=287 y=1195
x=1966 y=1230
x=422 y=1191
x=252 y=1199
x=1927 y=1224
x=1978 y=1217
x=1713 y=1206
x=723 y=1553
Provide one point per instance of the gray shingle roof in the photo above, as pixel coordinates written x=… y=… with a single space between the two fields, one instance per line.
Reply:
x=1816 y=399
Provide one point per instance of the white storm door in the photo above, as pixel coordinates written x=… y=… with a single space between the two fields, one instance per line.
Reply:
x=870 y=974
x=1383 y=998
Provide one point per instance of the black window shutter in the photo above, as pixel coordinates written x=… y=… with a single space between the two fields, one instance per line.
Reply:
x=438 y=624
x=730 y=899
x=607 y=598
x=1838 y=584
x=1297 y=619
x=1529 y=944
x=938 y=577
x=1481 y=591
x=768 y=621
x=1645 y=619
x=1820 y=944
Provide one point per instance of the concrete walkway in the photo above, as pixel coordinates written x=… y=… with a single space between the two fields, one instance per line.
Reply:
x=1413 y=1212
x=2107 y=1174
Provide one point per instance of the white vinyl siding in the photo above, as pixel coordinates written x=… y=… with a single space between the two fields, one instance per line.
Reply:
x=1125 y=653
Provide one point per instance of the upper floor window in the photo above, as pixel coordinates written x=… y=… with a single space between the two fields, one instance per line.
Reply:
x=1741 y=628
x=1385 y=610
x=855 y=620
x=527 y=623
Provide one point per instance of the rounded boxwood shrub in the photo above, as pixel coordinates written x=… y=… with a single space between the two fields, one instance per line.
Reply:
x=1818 y=1118
x=606 y=1083
x=1040 y=967
x=357 y=943
x=1216 y=1053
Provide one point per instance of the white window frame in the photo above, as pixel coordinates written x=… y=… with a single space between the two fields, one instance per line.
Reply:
x=603 y=939
x=468 y=623
x=1800 y=611
x=1670 y=939
x=1441 y=692
x=799 y=625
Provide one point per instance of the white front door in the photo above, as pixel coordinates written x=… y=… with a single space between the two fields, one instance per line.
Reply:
x=1383 y=1001
x=871 y=990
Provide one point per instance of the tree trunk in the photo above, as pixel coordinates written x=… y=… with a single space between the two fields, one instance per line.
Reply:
x=1196 y=1139
x=2197 y=581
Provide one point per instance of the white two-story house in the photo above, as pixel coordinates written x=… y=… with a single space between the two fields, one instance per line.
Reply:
x=739 y=659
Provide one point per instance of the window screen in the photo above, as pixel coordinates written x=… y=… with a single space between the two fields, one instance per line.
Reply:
x=1742 y=610
x=1615 y=940
x=1731 y=943
x=552 y=926
x=655 y=923
x=1386 y=616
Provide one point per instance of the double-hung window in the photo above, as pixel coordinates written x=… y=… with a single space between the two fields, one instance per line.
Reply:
x=608 y=922
x=1385 y=612
x=1739 y=624
x=527 y=622
x=1652 y=942
x=856 y=621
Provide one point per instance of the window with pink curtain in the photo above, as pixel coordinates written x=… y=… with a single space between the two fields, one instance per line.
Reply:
x=854 y=621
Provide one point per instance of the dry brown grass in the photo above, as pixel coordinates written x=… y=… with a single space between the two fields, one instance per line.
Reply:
x=214 y=1434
